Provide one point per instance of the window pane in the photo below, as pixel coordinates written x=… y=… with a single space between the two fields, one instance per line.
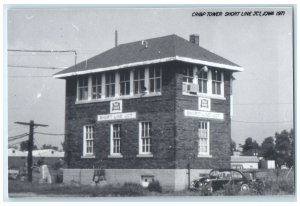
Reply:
x=151 y=72
x=158 y=84
x=151 y=85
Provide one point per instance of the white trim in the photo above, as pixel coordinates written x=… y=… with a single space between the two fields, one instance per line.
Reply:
x=167 y=59
x=88 y=156
x=144 y=155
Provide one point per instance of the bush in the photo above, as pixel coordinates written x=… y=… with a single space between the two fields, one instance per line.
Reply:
x=154 y=186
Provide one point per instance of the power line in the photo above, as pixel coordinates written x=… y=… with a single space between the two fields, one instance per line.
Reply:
x=279 y=122
x=45 y=51
x=51 y=134
x=35 y=67
x=18 y=135
x=23 y=76
x=42 y=51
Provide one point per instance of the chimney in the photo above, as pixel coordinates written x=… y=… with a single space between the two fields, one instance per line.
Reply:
x=116 y=38
x=194 y=38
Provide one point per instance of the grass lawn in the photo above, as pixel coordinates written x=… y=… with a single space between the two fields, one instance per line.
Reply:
x=17 y=188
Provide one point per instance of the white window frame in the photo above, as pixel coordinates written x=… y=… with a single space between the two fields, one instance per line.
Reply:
x=201 y=132
x=115 y=135
x=201 y=80
x=117 y=85
x=82 y=87
x=139 y=81
x=97 y=86
x=186 y=70
x=110 y=83
x=147 y=138
x=215 y=82
x=209 y=93
x=154 y=78
x=88 y=135
x=124 y=82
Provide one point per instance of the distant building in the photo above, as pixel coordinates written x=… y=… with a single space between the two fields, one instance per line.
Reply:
x=267 y=164
x=143 y=110
x=244 y=162
x=17 y=158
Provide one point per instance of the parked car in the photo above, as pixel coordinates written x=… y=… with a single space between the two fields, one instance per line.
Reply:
x=218 y=178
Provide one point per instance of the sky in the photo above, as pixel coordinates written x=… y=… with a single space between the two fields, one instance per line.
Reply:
x=262 y=45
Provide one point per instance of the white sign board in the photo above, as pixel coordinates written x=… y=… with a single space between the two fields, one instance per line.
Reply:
x=204 y=104
x=110 y=117
x=116 y=106
x=202 y=114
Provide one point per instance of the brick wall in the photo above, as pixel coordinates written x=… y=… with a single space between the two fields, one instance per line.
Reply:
x=160 y=110
x=187 y=130
x=175 y=139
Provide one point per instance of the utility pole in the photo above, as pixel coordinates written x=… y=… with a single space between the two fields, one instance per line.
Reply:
x=31 y=125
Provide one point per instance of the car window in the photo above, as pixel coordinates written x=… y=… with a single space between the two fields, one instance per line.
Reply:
x=236 y=175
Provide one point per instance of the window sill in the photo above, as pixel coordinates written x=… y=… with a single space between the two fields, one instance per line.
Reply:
x=204 y=156
x=88 y=156
x=115 y=156
x=205 y=95
x=118 y=98
x=144 y=155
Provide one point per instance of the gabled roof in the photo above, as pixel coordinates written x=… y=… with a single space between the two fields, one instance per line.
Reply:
x=160 y=49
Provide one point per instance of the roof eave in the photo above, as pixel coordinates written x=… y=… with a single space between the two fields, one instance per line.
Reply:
x=148 y=62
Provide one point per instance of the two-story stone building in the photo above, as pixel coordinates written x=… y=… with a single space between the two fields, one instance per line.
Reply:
x=145 y=110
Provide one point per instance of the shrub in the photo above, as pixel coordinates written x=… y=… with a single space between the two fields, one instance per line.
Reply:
x=132 y=189
x=154 y=186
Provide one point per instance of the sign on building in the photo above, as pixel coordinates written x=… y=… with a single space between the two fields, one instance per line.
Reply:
x=204 y=104
x=116 y=106
x=119 y=116
x=203 y=114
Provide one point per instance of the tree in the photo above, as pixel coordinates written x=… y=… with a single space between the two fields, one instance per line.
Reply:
x=282 y=147
x=267 y=149
x=232 y=146
x=24 y=146
x=250 y=147
x=291 y=160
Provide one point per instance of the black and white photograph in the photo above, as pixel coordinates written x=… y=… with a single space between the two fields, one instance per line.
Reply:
x=150 y=102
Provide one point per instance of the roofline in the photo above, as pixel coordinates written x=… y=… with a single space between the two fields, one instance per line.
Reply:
x=167 y=59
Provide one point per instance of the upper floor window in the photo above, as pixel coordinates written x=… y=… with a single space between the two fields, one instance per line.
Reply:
x=124 y=82
x=145 y=137
x=88 y=140
x=188 y=74
x=155 y=79
x=115 y=146
x=139 y=80
x=97 y=86
x=83 y=88
x=202 y=81
x=203 y=135
x=216 y=82
x=120 y=84
x=110 y=84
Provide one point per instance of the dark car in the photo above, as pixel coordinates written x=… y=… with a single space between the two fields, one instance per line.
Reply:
x=218 y=178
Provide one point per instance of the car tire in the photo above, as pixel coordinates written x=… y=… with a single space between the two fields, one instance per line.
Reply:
x=245 y=187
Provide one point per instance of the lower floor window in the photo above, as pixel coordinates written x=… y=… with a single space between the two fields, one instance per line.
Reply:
x=145 y=137
x=115 y=139
x=88 y=140
x=203 y=135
